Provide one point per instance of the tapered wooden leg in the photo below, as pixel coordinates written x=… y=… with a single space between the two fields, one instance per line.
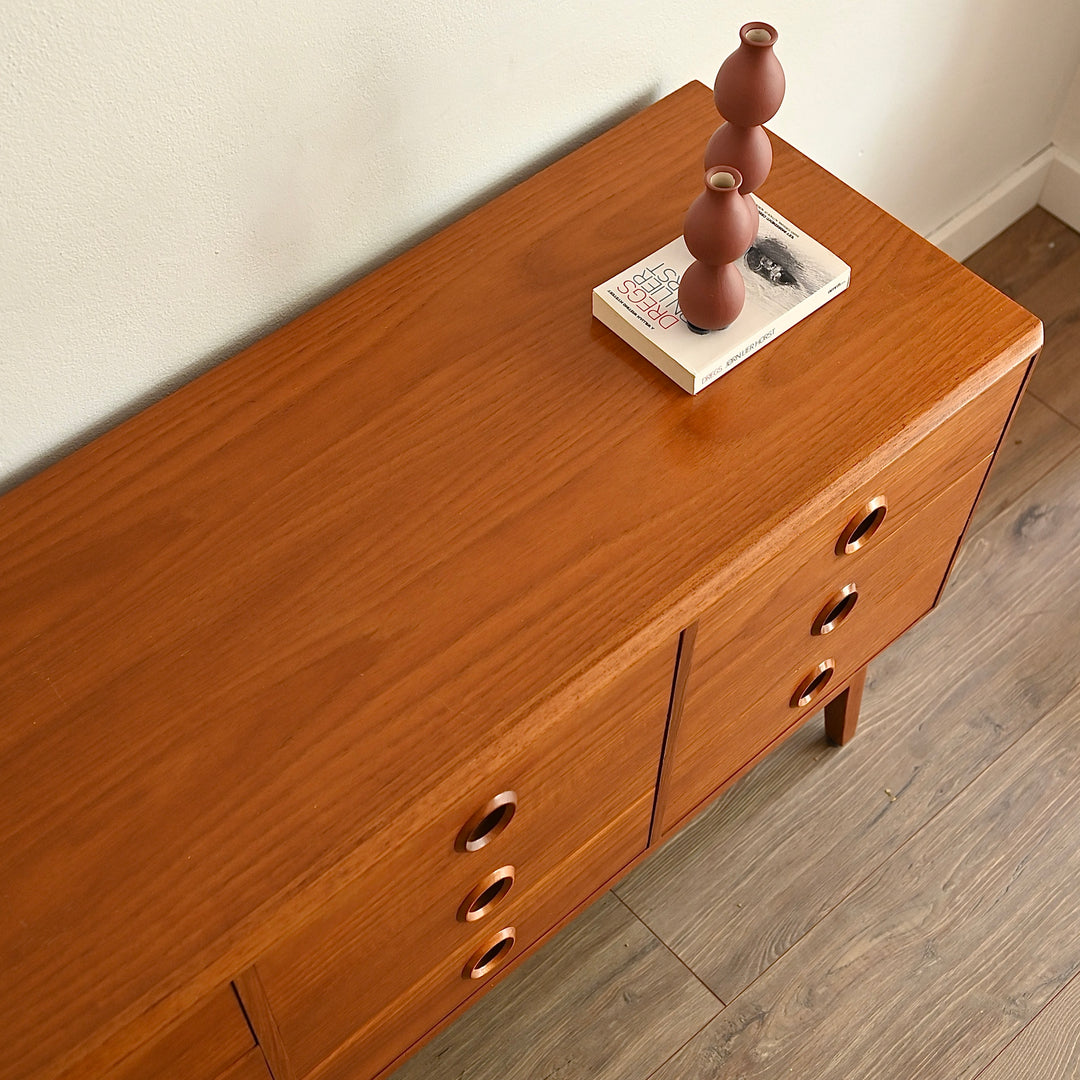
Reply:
x=842 y=713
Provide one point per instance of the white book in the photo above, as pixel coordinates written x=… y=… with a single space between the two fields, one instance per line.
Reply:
x=787 y=274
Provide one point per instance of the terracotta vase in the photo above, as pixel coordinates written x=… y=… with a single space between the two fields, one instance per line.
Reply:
x=721 y=223
x=719 y=227
x=748 y=91
x=750 y=83
x=748 y=149
x=711 y=295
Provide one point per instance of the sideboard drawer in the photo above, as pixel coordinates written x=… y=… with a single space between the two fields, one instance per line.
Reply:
x=439 y=891
x=905 y=486
x=915 y=478
x=394 y=1023
x=201 y=1046
x=741 y=697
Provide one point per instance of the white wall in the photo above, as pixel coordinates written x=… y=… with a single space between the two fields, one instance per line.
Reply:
x=1067 y=131
x=1060 y=192
x=176 y=179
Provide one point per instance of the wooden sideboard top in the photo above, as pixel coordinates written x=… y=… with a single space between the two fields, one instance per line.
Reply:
x=237 y=627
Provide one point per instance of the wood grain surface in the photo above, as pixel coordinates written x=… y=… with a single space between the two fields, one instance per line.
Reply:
x=942 y=704
x=1056 y=378
x=1038 y=439
x=684 y=661
x=842 y=713
x=200 y=1047
x=250 y=1067
x=230 y=625
x=264 y=1024
x=398 y=923
x=1031 y=250
x=793 y=839
x=391 y=1029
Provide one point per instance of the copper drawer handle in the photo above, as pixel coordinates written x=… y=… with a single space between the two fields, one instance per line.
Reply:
x=864 y=524
x=837 y=608
x=486 y=894
x=487 y=822
x=809 y=690
x=491 y=955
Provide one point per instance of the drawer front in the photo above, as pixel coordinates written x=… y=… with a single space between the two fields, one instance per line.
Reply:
x=402 y=1021
x=923 y=472
x=201 y=1046
x=881 y=506
x=746 y=693
x=438 y=892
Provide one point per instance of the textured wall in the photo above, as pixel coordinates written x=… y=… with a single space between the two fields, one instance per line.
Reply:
x=177 y=179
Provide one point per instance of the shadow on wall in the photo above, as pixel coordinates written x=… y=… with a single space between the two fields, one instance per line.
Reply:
x=631 y=107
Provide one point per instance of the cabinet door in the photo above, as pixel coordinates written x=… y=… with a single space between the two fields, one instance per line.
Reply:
x=756 y=677
x=529 y=835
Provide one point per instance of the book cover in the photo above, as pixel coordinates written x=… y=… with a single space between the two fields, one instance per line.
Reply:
x=787 y=274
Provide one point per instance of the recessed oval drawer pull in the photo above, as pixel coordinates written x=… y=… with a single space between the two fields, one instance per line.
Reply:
x=491 y=955
x=837 y=608
x=487 y=822
x=486 y=893
x=810 y=688
x=863 y=525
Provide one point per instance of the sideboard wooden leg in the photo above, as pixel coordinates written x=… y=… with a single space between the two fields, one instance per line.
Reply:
x=842 y=713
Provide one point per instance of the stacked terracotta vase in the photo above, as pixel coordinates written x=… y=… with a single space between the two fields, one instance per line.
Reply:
x=722 y=221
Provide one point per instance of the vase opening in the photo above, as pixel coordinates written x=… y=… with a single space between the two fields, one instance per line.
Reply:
x=759 y=34
x=722 y=179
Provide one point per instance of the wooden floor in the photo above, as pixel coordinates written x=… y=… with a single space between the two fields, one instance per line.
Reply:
x=906 y=907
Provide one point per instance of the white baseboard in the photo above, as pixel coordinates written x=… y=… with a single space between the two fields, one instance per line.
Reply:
x=966 y=232
x=1061 y=192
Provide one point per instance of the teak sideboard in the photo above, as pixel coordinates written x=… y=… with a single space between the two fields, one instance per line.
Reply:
x=339 y=679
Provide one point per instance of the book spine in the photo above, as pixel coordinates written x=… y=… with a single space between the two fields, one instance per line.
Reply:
x=652 y=352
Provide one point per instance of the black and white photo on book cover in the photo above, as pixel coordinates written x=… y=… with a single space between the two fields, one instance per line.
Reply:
x=787 y=276
x=782 y=272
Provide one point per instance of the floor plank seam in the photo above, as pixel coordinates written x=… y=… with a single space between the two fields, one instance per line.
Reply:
x=1030 y=391
x=697 y=977
x=1031 y=1020
x=960 y=791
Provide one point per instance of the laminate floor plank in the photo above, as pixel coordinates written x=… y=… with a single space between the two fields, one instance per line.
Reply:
x=1027 y=251
x=1055 y=298
x=942 y=955
x=603 y=1000
x=1048 y=1048
x=778 y=851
